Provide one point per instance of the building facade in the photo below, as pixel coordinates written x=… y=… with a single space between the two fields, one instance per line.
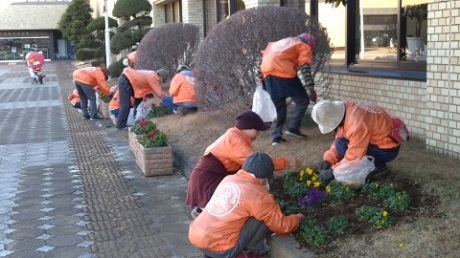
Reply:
x=27 y=24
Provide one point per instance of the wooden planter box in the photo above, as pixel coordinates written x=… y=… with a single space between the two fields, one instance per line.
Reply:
x=156 y=161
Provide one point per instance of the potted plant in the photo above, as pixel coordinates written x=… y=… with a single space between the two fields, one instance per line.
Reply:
x=419 y=13
x=150 y=147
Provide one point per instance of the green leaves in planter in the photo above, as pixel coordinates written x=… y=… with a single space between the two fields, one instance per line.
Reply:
x=312 y=232
x=143 y=126
x=400 y=201
x=378 y=217
x=154 y=139
x=337 y=224
x=340 y=192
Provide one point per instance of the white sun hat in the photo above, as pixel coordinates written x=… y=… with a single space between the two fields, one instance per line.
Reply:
x=328 y=114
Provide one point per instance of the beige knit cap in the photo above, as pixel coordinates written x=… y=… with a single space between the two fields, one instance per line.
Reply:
x=328 y=114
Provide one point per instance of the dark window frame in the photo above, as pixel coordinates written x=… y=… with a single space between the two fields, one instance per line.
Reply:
x=408 y=70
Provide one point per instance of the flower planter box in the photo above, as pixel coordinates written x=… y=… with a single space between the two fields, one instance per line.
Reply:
x=156 y=161
x=104 y=109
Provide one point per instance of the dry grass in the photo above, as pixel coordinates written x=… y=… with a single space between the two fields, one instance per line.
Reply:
x=433 y=234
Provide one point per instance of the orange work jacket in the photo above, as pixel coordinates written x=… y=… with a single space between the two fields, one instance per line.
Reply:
x=232 y=149
x=284 y=57
x=237 y=198
x=144 y=82
x=115 y=101
x=182 y=88
x=74 y=98
x=93 y=76
x=364 y=124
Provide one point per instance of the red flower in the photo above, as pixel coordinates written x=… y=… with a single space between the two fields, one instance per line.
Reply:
x=152 y=134
x=143 y=122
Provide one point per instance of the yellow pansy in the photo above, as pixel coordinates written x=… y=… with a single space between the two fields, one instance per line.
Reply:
x=328 y=189
x=316 y=184
x=384 y=213
x=309 y=171
x=308 y=183
x=314 y=178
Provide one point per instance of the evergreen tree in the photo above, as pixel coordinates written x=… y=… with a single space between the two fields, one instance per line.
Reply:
x=92 y=45
x=75 y=19
x=136 y=23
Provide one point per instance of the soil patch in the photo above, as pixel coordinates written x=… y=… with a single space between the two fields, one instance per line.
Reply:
x=324 y=211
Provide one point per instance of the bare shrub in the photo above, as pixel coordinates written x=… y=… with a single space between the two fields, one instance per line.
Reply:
x=167 y=46
x=230 y=56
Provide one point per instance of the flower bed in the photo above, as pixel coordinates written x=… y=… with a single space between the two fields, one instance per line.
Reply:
x=336 y=211
x=149 y=146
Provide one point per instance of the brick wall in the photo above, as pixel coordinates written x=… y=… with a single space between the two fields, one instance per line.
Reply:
x=30 y=17
x=192 y=13
x=443 y=74
x=431 y=109
x=158 y=15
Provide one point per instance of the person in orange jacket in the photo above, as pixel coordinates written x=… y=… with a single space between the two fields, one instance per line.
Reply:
x=182 y=92
x=130 y=59
x=360 y=129
x=87 y=81
x=280 y=62
x=137 y=84
x=74 y=99
x=225 y=156
x=241 y=213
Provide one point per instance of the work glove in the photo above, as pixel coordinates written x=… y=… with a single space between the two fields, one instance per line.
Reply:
x=324 y=165
x=326 y=176
x=300 y=216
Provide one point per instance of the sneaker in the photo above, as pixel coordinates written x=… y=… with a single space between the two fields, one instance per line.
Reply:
x=195 y=212
x=96 y=117
x=377 y=173
x=277 y=141
x=296 y=133
x=122 y=129
x=86 y=117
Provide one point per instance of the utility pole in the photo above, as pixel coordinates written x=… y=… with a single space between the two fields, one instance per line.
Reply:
x=107 y=35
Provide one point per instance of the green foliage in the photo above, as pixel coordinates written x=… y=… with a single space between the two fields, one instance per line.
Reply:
x=73 y=22
x=135 y=13
x=376 y=190
x=378 y=217
x=340 y=192
x=294 y=187
x=131 y=8
x=399 y=201
x=311 y=232
x=337 y=224
x=116 y=68
x=83 y=54
x=143 y=126
x=336 y=3
x=98 y=24
x=153 y=139
x=120 y=41
x=159 y=111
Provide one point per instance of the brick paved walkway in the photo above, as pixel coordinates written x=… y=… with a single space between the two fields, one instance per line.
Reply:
x=70 y=187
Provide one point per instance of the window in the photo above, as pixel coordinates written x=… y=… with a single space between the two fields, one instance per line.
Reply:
x=173 y=12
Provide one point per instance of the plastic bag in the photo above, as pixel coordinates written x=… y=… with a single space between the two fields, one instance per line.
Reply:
x=263 y=105
x=131 y=119
x=142 y=110
x=354 y=173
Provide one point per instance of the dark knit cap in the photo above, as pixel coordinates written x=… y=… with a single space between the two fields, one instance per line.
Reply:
x=250 y=120
x=259 y=164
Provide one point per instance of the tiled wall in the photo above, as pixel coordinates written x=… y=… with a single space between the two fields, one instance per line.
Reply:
x=442 y=114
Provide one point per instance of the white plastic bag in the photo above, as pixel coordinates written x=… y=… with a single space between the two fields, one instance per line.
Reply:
x=354 y=173
x=142 y=110
x=130 y=120
x=263 y=105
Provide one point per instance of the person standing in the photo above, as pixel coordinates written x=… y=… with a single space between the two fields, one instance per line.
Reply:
x=225 y=156
x=241 y=214
x=360 y=129
x=281 y=61
x=87 y=81
x=182 y=97
x=137 y=84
